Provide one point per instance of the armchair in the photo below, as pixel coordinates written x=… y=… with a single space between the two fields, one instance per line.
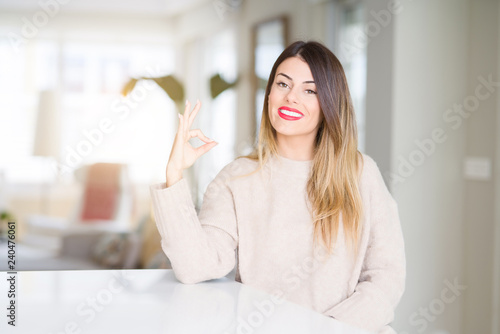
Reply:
x=105 y=207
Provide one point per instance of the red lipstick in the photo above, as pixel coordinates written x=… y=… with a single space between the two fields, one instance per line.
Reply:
x=289 y=114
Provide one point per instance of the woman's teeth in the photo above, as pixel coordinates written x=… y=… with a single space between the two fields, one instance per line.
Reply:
x=290 y=113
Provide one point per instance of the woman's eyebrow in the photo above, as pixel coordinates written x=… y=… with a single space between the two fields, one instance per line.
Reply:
x=288 y=77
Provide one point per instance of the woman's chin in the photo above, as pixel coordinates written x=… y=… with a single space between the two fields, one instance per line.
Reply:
x=287 y=132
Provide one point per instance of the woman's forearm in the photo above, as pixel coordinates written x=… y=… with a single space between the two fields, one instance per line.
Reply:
x=173 y=176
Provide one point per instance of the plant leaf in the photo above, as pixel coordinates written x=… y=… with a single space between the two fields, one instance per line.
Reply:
x=171 y=86
x=218 y=85
x=129 y=87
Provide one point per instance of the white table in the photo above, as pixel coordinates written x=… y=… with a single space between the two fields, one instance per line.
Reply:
x=150 y=301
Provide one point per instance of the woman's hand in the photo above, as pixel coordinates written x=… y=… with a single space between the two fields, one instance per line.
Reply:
x=183 y=155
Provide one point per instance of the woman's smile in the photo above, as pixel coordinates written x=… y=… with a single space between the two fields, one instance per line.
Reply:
x=290 y=114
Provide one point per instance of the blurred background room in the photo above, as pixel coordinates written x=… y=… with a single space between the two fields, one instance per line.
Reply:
x=89 y=92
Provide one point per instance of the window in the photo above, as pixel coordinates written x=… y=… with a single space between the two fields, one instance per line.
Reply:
x=219 y=117
x=89 y=75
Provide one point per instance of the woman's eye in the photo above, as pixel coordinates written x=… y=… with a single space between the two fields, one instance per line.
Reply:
x=310 y=91
x=282 y=84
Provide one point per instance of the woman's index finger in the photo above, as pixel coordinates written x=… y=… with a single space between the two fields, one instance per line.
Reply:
x=193 y=114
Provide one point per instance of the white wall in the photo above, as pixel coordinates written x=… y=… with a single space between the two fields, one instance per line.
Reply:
x=496 y=260
x=379 y=107
x=479 y=204
x=430 y=74
x=441 y=48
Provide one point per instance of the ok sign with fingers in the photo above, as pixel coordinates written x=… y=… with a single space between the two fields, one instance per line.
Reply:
x=183 y=154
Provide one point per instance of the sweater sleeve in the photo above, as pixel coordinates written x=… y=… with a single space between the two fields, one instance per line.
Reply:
x=382 y=278
x=199 y=247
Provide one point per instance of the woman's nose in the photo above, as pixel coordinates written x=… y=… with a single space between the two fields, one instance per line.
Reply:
x=291 y=97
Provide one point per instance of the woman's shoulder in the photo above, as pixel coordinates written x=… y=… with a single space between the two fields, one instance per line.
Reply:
x=368 y=163
x=373 y=184
x=238 y=167
x=370 y=174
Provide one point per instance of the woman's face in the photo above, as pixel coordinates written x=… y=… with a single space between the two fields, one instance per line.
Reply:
x=293 y=103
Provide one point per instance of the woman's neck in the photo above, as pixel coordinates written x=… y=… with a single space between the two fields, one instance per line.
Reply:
x=295 y=148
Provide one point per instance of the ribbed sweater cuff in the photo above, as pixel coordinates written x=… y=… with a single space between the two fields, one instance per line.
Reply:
x=174 y=201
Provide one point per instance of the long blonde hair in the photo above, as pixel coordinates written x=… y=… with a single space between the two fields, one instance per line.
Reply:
x=333 y=187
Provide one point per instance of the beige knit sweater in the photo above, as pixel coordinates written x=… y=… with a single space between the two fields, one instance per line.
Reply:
x=262 y=223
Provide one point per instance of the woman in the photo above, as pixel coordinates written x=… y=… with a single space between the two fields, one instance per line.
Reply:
x=309 y=215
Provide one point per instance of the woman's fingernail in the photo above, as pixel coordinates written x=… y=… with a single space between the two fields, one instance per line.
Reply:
x=186 y=102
